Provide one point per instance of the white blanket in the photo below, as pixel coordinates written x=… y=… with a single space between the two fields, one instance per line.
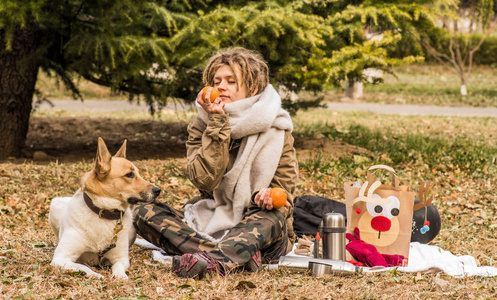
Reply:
x=426 y=258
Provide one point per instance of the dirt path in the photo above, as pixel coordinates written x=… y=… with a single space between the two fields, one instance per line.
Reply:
x=75 y=139
x=103 y=105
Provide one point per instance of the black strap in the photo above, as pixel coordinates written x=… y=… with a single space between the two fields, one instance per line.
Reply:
x=114 y=214
x=332 y=230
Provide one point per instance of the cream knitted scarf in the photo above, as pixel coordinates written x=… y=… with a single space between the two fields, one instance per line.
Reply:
x=261 y=123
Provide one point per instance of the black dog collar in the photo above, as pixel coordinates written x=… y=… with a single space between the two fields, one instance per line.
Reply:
x=114 y=214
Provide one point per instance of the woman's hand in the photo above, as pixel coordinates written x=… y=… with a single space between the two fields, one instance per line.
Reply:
x=215 y=107
x=263 y=200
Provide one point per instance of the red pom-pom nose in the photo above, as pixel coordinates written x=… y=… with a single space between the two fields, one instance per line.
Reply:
x=381 y=223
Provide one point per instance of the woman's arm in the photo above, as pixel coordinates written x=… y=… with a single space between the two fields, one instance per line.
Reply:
x=207 y=151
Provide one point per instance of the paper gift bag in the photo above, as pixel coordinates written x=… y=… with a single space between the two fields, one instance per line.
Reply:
x=382 y=212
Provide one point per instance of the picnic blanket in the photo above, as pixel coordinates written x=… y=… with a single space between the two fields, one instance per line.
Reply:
x=426 y=258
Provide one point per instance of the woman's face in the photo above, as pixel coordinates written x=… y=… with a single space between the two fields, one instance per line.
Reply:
x=225 y=82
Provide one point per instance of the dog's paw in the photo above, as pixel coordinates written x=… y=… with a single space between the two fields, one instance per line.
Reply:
x=98 y=275
x=90 y=273
x=121 y=276
x=119 y=270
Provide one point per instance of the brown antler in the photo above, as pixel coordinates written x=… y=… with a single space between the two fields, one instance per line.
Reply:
x=424 y=201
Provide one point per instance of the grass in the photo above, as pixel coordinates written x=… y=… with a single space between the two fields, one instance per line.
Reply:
x=404 y=140
x=431 y=85
x=53 y=89
x=420 y=149
x=164 y=115
x=457 y=153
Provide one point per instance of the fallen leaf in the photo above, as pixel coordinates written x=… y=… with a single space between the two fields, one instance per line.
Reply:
x=418 y=277
x=63 y=284
x=440 y=282
x=245 y=285
x=456 y=209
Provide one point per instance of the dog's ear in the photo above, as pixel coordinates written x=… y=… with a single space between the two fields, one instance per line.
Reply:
x=122 y=152
x=102 y=161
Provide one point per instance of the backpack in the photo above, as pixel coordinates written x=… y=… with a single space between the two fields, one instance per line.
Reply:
x=309 y=211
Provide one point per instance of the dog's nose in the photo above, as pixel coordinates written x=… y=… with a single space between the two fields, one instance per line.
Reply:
x=156 y=191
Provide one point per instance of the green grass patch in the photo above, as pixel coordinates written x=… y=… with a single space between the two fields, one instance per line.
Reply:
x=430 y=85
x=435 y=85
x=414 y=142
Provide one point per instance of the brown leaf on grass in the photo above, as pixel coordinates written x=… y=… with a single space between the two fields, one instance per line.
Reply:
x=245 y=285
x=63 y=284
x=418 y=277
x=440 y=282
x=456 y=209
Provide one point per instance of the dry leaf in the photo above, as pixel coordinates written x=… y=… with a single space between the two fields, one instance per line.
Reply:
x=418 y=276
x=440 y=282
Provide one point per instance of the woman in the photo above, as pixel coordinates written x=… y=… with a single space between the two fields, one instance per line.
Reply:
x=238 y=148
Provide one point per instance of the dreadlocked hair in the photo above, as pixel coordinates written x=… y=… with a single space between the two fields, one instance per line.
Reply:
x=253 y=69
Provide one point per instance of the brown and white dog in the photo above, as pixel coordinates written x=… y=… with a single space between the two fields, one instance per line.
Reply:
x=94 y=226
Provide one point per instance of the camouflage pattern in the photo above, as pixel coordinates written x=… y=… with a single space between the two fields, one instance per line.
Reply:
x=163 y=226
x=260 y=230
x=263 y=230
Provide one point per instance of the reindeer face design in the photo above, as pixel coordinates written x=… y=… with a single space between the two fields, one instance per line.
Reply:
x=378 y=221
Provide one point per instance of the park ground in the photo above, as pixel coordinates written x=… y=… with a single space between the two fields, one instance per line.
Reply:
x=456 y=153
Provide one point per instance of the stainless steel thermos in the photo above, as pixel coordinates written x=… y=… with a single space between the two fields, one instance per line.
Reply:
x=317 y=266
x=332 y=232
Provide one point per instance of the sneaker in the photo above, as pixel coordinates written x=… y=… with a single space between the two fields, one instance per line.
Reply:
x=195 y=265
x=255 y=263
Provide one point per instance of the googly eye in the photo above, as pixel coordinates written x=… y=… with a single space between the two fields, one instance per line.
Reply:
x=392 y=209
x=389 y=210
x=374 y=209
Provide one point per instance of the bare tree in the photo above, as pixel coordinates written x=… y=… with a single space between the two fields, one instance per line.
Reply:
x=472 y=17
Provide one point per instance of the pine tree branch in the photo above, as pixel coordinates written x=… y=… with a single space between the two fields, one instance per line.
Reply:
x=79 y=9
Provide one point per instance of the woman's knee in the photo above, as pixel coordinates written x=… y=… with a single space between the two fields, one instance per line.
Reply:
x=268 y=220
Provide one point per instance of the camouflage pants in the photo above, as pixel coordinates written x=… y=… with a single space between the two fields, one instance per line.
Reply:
x=260 y=230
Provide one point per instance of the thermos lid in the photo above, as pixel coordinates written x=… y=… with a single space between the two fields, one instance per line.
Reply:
x=333 y=220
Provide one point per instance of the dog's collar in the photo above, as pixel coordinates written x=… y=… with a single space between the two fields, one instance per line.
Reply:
x=114 y=214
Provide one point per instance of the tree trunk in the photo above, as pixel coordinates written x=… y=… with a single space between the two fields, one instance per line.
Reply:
x=18 y=73
x=463 y=89
x=353 y=89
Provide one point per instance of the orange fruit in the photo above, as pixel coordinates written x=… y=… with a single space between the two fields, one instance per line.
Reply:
x=214 y=93
x=279 y=197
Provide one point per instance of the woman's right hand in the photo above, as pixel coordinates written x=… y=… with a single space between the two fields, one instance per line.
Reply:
x=215 y=107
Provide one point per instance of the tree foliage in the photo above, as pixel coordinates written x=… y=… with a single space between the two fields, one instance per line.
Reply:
x=155 y=50
x=158 y=48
